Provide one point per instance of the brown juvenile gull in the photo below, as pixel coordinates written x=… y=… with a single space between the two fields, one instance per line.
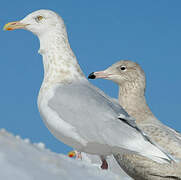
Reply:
x=131 y=80
x=76 y=112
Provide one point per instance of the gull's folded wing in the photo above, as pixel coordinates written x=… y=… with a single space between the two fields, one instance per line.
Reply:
x=94 y=116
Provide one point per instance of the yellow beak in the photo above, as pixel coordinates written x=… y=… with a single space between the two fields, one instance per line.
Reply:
x=14 y=25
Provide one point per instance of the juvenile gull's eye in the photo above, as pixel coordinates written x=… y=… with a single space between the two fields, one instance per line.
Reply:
x=39 y=18
x=123 y=68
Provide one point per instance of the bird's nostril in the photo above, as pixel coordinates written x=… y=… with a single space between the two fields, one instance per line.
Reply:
x=91 y=76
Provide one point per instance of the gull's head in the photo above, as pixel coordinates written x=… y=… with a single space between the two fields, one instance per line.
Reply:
x=38 y=22
x=122 y=72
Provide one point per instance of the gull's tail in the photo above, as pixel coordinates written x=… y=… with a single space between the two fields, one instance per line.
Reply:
x=145 y=146
x=160 y=155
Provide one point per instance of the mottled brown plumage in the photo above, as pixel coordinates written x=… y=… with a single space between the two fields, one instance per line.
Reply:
x=131 y=80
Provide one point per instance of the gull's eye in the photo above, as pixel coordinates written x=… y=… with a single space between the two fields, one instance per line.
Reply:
x=38 y=18
x=123 y=68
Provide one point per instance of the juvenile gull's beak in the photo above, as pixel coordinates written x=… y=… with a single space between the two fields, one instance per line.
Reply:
x=98 y=74
x=14 y=25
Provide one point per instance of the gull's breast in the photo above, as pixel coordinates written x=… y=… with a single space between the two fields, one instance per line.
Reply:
x=58 y=126
x=63 y=130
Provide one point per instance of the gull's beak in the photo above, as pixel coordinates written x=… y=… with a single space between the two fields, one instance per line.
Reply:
x=99 y=74
x=14 y=25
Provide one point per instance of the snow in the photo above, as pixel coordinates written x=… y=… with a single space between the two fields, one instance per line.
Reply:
x=113 y=165
x=22 y=160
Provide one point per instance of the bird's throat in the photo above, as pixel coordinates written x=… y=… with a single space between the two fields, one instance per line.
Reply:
x=60 y=64
x=134 y=102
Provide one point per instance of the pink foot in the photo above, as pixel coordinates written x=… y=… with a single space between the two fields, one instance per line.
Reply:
x=104 y=164
x=79 y=156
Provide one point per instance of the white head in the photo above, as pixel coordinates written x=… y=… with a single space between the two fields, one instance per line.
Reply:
x=60 y=64
x=38 y=22
x=124 y=73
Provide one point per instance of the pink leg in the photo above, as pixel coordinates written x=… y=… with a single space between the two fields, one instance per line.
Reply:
x=79 y=156
x=104 y=163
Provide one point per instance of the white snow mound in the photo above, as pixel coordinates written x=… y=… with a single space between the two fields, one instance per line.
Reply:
x=21 y=160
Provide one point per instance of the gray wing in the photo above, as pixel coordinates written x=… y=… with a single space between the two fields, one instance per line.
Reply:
x=95 y=117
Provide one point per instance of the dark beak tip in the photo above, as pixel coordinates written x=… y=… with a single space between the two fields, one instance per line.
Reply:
x=91 y=76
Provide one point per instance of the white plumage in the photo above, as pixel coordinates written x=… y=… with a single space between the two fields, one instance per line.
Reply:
x=76 y=112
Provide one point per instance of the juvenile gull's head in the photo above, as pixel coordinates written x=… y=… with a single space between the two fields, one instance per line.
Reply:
x=124 y=73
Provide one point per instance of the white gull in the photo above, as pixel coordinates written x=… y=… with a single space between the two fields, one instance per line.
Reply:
x=76 y=112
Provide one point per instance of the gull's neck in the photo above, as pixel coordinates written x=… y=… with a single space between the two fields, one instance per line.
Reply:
x=60 y=64
x=132 y=99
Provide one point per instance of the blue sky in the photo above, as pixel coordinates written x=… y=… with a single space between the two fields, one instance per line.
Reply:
x=100 y=33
